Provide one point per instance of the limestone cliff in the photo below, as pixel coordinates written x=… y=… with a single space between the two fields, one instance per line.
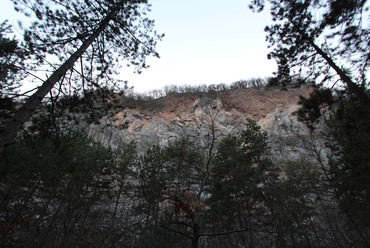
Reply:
x=194 y=115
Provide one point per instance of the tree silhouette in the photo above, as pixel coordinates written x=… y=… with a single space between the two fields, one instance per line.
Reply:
x=313 y=40
x=98 y=33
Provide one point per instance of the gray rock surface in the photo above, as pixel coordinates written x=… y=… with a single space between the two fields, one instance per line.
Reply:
x=274 y=111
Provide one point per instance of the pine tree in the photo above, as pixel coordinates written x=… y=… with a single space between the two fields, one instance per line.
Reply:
x=98 y=33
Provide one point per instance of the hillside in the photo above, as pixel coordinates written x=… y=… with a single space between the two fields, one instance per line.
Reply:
x=191 y=115
x=183 y=180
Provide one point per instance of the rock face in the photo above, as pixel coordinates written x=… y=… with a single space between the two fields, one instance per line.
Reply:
x=195 y=116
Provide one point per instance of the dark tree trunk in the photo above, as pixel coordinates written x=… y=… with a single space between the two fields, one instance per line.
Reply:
x=195 y=239
x=194 y=242
x=26 y=111
x=352 y=86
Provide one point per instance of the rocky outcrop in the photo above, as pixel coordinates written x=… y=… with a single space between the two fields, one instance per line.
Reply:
x=195 y=117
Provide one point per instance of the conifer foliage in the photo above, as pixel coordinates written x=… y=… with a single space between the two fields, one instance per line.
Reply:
x=328 y=41
x=98 y=34
x=196 y=197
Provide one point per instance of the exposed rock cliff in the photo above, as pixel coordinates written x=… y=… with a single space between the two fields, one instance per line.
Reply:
x=194 y=116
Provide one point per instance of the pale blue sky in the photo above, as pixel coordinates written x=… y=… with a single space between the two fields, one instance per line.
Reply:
x=206 y=41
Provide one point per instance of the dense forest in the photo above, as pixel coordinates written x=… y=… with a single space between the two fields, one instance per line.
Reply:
x=60 y=188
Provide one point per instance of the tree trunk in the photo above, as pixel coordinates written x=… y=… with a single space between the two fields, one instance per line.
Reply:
x=194 y=242
x=195 y=239
x=352 y=86
x=26 y=111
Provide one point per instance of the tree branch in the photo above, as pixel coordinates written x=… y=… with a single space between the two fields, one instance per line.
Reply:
x=223 y=233
x=175 y=231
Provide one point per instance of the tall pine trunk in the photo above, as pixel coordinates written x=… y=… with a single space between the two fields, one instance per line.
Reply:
x=26 y=111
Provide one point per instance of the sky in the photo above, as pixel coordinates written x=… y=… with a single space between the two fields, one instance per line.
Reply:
x=206 y=42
